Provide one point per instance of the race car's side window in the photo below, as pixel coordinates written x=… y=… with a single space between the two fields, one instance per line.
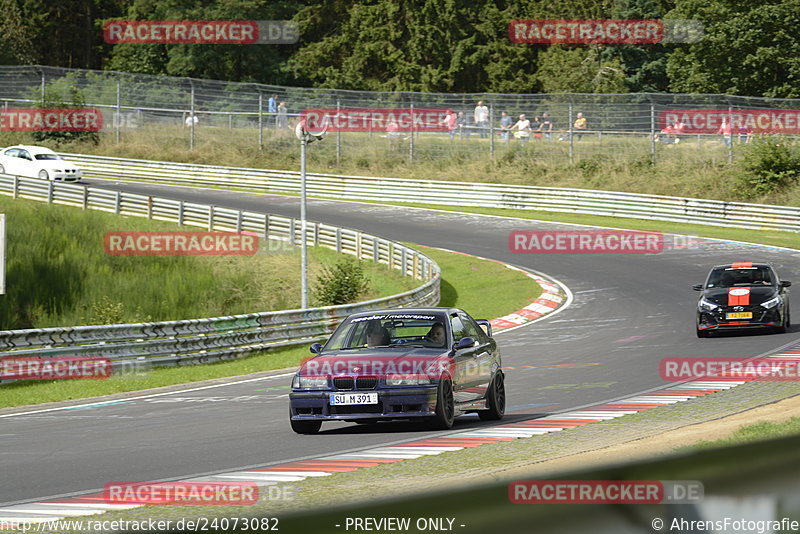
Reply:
x=473 y=330
x=457 y=327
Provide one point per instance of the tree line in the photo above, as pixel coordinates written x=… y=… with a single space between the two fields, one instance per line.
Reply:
x=750 y=48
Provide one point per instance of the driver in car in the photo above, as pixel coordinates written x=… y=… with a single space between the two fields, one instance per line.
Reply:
x=436 y=334
x=377 y=335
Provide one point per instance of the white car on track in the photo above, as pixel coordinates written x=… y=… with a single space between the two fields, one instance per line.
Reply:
x=37 y=162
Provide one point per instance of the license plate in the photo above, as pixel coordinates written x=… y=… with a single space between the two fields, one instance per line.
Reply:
x=739 y=315
x=338 y=399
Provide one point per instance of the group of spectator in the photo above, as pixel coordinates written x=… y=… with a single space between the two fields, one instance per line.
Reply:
x=523 y=129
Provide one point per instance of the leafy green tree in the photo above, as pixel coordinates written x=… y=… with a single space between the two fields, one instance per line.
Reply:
x=407 y=45
x=257 y=63
x=750 y=48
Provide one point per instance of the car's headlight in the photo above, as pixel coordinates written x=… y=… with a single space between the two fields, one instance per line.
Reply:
x=407 y=380
x=309 y=382
x=771 y=303
x=707 y=304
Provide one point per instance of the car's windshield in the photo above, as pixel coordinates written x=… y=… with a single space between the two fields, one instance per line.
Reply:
x=740 y=276
x=47 y=156
x=390 y=330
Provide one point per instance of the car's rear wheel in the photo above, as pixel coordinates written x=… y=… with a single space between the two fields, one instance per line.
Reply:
x=44 y=175
x=496 y=400
x=306 y=427
x=445 y=406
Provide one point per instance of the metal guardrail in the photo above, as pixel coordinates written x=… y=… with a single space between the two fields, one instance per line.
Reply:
x=631 y=205
x=218 y=338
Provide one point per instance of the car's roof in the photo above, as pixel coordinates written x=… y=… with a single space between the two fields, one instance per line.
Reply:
x=407 y=311
x=741 y=265
x=34 y=149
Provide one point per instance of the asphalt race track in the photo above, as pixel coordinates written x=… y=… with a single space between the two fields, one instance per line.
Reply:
x=629 y=312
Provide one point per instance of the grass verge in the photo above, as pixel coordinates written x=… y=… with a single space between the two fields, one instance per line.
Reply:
x=58 y=273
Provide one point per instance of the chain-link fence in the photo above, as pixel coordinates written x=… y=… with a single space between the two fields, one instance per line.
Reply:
x=642 y=125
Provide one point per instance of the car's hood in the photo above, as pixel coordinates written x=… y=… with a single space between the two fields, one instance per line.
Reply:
x=60 y=164
x=740 y=296
x=377 y=361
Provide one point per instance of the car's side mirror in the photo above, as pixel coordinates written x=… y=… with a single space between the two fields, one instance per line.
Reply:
x=697 y=287
x=464 y=343
x=316 y=348
x=785 y=283
x=486 y=325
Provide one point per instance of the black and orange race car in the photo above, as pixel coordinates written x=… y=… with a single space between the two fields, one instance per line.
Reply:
x=740 y=296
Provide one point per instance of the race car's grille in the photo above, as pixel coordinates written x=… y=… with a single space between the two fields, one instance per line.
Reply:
x=343 y=382
x=366 y=382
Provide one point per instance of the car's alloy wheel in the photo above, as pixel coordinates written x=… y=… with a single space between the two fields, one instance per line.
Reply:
x=496 y=399
x=44 y=175
x=445 y=406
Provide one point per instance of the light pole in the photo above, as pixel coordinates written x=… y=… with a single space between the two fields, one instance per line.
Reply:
x=305 y=137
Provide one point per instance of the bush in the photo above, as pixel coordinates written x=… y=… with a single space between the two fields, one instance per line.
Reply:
x=769 y=164
x=342 y=283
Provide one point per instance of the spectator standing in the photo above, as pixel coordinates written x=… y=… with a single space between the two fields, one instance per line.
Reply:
x=536 y=126
x=272 y=108
x=547 y=127
x=523 y=127
x=283 y=116
x=505 y=126
x=191 y=120
x=579 y=126
x=726 y=130
x=481 y=116
x=451 y=122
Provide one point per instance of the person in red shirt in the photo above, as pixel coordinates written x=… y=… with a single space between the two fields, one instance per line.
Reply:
x=725 y=129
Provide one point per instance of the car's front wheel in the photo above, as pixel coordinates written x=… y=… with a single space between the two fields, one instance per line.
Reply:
x=43 y=174
x=445 y=406
x=702 y=333
x=496 y=400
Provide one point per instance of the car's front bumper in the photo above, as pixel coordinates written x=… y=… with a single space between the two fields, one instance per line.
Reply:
x=393 y=403
x=67 y=177
x=762 y=318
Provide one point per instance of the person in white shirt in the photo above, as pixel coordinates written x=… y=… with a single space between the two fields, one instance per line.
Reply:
x=191 y=120
x=523 y=129
x=481 y=116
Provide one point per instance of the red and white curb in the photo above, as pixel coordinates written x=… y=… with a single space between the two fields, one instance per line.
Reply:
x=552 y=297
x=555 y=295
